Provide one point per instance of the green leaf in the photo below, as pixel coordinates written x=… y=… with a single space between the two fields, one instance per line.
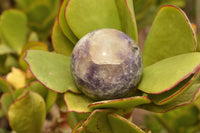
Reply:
x=171 y=34
x=6 y=101
x=185 y=98
x=97 y=122
x=74 y=118
x=37 y=87
x=180 y=118
x=145 y=12
x=127 y=17
x=30 y=45
x=77 y=127
x=77 y=102
x=38 y=11
x=51 y=1
x=61 y=103
x=166 y=74
x=23 y=3
x=3 y=69
x=168 y=96
x=11 y=61
x=178 y=3
x=50 y=99
x=122 y=125
x=63 y=24
x=47 y=25
x=52 y=70
x=121 y=103
x=102 y=121
x=48 y=95
x=33 y=37
x=4 y=86
x=84 y=16
x=60 y=42
x=151 y=123
x=27 y=114
x=4 y=49
x=14 y=32
x=198 y=42
x=19 y=93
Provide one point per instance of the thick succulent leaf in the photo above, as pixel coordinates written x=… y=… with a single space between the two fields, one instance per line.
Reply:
x=145 y=12
x=84 y=16
x=74 y=130
x=171 y=34
x=122 y=125
x=51 y=1
x=61 y=103
x=127 y=17
x=52 y=70
x=37 y=87
x=11 y=61
x=30 y=45
x=38 y=11
x=33 y=37
x=173 y=70
x=97 y=122
x=185 y=98
x=60 y=42
x=23 y=3
x=63 y=23
x=48 y=95
x=141 y=7
x=174 y=119
x=55 y=4
x=4 y=86
x=50 y=99
x=19 y=93
x=77 y=102
x=6 y=101
x=3 y=69
x=14 y=32
x=168 y=96
x=121 y=103
x=47 y=24
x=74 y=118
x=27 y=114
x=29 y=76
x=198 y=42
x=4 y=49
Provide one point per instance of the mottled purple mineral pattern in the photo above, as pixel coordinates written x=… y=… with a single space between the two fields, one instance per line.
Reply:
x=106 y=64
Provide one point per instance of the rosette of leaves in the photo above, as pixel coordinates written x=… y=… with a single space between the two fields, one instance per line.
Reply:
x=171 y=65
x=17 y=26
x=23 y=99
x=13 y=36
x=15 y=39
x=25 y=107
x=14 y=86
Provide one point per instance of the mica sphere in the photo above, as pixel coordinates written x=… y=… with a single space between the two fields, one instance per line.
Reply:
x=106 y=64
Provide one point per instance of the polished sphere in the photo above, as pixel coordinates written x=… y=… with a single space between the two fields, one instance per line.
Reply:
x=106 y=64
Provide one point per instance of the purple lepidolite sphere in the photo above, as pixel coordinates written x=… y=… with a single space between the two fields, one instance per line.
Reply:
x=106 y=64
